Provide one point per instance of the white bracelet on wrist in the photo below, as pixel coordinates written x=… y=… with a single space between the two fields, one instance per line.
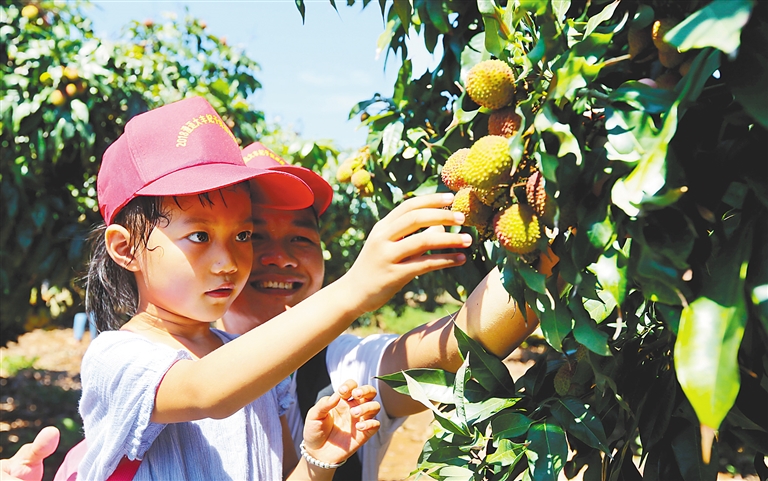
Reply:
x=316 y=462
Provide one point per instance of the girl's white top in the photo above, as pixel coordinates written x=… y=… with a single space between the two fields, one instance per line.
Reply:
x=120 y=374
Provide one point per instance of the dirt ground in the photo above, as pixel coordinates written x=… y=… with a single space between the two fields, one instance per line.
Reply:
x=47 y=393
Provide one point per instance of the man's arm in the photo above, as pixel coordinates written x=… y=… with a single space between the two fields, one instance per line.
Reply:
x=490 y=316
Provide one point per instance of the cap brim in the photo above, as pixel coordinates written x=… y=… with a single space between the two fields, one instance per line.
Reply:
x=322 y=190
x=278 y=190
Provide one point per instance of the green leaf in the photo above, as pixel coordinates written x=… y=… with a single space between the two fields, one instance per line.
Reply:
x=623 y=143
x=438 y=16
x=79 y=110
x=706 y=362
x=649 y=175
x=533 y=278
x=479 y=412
x=417 y=394
x=641 y=97
x=302 y=8
x=403 y=10
x=556 y=321
x=386 y=36
x=436 y=383
x=510 y=425
x=716 y=25
x=704 y=65
x=585 y=329
x=599 y=227
x=747 y=75
x=580 y=420
x=611 y=272
x=472 y=54
x=392 y=142
x=463 y=377
x=493 y=42
x=546 y=121
x=686 y=448
x=455 y=473
x=486 y=368
x=605 y=14
x=547 y=451
x=507 y=454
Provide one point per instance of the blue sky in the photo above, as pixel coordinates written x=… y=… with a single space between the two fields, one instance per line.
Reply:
x=311 y=74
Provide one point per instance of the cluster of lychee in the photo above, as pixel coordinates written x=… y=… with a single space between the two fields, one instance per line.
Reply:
x=509 y=206
x=354 y=170
x=646 y=43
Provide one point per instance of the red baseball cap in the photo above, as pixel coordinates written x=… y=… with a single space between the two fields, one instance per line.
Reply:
x=258 y=156
x=184 y=148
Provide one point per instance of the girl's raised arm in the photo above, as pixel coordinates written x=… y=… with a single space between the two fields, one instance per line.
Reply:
x=242 y=370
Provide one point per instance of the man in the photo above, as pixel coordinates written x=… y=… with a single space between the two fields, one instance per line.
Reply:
x=288 y=267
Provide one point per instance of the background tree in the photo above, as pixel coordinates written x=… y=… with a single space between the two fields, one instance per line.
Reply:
x=633 y=145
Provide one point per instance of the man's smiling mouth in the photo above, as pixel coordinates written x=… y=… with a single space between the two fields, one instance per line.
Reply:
x=288 y=286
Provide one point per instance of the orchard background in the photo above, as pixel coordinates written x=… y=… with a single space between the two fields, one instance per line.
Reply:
x=643 y=126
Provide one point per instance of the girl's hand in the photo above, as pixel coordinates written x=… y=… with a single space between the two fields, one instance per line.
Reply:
x=339 y=424
x=396 y=249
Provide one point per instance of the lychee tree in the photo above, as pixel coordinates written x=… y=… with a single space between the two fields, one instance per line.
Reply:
x=634 y=150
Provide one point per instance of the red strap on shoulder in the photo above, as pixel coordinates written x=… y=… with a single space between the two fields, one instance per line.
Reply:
x=126 y=470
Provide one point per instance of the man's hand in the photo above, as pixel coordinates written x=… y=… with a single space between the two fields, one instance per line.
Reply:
x=27 y=463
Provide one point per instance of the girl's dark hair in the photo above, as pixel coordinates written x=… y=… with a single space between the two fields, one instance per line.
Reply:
x=111 y=295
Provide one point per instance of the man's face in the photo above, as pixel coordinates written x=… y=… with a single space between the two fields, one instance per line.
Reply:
x=287 y=267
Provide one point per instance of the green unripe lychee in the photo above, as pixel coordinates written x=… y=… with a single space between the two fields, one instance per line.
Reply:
x=637 y=41
x=491 y=84
x=361 y=178
x=365 y=190
x=344 y=173
x=668 y=54
x=504 y=122
x=30 y=12
x=488 y=163
x=517 y=229
x=581 y=353
x=451 y=170
x=562 y=379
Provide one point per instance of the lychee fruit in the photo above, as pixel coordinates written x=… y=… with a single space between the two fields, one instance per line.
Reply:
x=563 y=378
x=517 y=229
x=476 y=214
x=361 y=178
x=451 y=170
x=638 y=40
x=504 y=122
x=57 y=98
x=491 y=84
x=535 y=194
x=488 y=162
x=668 y=54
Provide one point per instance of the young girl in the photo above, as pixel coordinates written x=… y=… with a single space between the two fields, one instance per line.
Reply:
x=188 y=401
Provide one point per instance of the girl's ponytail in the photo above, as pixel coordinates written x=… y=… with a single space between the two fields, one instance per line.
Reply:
x=111 y=295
